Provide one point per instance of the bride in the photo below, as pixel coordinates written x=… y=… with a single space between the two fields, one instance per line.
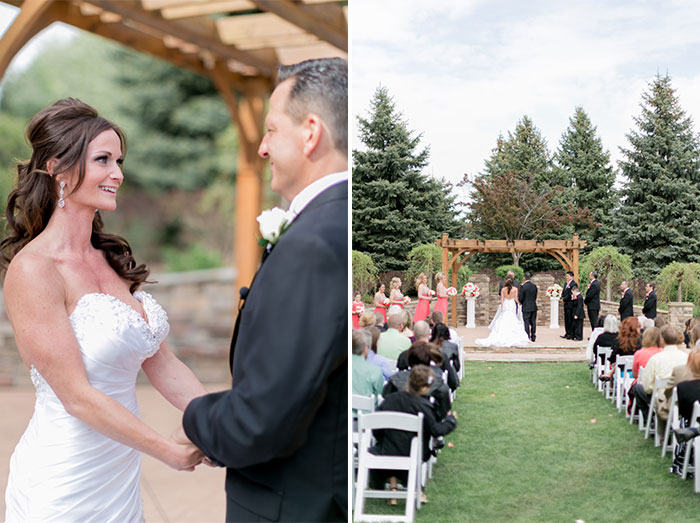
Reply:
x=507 y=328
x=83 y=329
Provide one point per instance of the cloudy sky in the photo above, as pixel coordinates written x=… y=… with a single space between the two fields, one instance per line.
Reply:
x=463 y=71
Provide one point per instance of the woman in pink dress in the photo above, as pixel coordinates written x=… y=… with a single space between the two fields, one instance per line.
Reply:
x=424 y=295
x=395 y=295
x=358 y=307
x=380 y=301
x=441 y=303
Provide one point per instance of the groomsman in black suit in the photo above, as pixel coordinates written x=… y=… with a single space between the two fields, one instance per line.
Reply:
x=568 y=306
x=592 y=300
x=577 y=323
x=527 y=296
x=649 y=309
x=626 y=308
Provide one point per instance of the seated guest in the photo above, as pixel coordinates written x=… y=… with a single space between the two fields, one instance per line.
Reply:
x=660 y=366
x=688 y=392
x=437 y=317
x=387 y=366
x=441 y=337
x=645 y=323
x=689 y=326
x=367 y=319
x=411 y=400
x=379 y=321
x=421 y=331
x=651 y=344
x=594 y=336
x=679 y=374
x=392 y=343
x=366 y=378
x=422 y=353
x=423 y=334
x=694 y=334
x=629 y=340
x=608 y=338
x=659 y=322
x=407 y=326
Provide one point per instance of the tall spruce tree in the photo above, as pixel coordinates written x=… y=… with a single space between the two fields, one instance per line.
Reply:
x=659 y=216
x=587 y=166
x=395 y=206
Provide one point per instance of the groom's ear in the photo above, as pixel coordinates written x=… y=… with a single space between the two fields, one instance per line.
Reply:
x=312 y=132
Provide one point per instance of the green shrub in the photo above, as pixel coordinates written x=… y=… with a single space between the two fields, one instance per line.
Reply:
x=364 y=274
x=196 y=257
x=503 y=270
x=612 y=267
x=679 y=282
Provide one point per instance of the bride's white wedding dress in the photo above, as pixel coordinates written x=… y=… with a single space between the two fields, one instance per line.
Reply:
x=62 y=469
x=507 y=327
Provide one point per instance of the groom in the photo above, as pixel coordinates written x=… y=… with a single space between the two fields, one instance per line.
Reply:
x=527 y=296
x=281 y=430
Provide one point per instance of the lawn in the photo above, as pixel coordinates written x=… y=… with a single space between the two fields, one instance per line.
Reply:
x=526 y=449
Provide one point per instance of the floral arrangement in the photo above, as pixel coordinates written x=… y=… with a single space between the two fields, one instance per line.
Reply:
x=470 y=290
x=359 y=310
x=386 y=302
x=554 y=291
x=431 y=292
x=451 y=291
x=406 y=300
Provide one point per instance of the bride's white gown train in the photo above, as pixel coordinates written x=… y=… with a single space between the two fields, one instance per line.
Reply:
x=507 y=327
x=62 y=469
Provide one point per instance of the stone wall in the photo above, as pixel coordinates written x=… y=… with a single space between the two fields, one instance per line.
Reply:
x=200 y=307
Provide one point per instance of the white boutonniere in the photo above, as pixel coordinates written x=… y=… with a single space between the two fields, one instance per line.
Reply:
x=273 y=223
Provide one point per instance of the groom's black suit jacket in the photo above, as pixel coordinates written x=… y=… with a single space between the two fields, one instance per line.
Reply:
x=281 y=430
x=527 y=296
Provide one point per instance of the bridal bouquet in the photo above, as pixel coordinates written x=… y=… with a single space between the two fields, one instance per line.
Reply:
x=431 y=292
x=470 y=290
x=387 y=302
x=451 y=291
x=554 y=291
x=406 y=300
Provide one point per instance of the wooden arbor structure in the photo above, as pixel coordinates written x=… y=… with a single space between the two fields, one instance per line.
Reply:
x=236 y=43
x=565 y=252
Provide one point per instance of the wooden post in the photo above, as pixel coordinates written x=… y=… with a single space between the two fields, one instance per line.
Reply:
x=31 y=19
x=574 y=259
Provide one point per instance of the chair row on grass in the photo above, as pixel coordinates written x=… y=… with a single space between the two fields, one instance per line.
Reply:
x=418 y=471
x=617 y=390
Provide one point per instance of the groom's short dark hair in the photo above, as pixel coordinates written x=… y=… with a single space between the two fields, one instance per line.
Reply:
x=527 y=275
x=570 y=273
x=321 y=87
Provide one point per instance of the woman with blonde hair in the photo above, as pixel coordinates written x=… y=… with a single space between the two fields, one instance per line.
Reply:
x=395 y=294
x=441 y=290
x=423 y=307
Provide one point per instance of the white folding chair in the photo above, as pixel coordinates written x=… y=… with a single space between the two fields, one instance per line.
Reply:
x=602 y=367
x=686 y=459
x=659 y=386
x=460 y=345
x=673 y=422
x=634 y=411
x=365 y=404
x=368 y=461
x=621 y=377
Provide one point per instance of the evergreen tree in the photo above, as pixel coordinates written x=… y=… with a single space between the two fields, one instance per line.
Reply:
x=659 y=215
x=587 y=166
x=395 y=206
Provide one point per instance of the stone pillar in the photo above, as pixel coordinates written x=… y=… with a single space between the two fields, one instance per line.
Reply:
x=482 y=314
x=679 y=313
x=543 y=309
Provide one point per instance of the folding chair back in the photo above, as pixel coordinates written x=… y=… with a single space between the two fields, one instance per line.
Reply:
x=673 y=422
x=368 y=461
x=622 y=373
x=659 y=386
x=686 y=460
x=602 y=366
x=634 y=412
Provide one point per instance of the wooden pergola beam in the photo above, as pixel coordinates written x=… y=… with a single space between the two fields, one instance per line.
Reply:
x=32 y=18
x=334 y=35
x=166 y=27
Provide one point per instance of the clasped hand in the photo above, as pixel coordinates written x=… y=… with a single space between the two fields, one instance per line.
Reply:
x=188 y=456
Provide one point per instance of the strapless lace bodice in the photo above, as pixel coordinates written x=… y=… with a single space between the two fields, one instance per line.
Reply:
x=62 y=469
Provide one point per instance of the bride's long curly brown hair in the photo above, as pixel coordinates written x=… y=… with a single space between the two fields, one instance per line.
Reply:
x=61 y=133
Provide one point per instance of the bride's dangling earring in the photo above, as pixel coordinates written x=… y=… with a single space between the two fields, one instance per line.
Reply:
x=61 y=201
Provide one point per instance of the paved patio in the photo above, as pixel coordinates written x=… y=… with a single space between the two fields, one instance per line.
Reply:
x=169 y=496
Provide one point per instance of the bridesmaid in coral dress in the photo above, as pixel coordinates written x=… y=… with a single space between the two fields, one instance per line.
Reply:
x=380 y=300
x=395 y=295
x=358 y=307
x=424 y=295
x=441 y=303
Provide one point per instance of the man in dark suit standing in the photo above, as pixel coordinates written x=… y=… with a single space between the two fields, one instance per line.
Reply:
x=626 y=308
x=592 y=300
x=568 y=306
x=649 y=309
x=527 y=296
x=281 y=430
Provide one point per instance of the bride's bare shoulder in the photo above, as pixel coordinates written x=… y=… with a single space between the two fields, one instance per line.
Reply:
x=29 y=269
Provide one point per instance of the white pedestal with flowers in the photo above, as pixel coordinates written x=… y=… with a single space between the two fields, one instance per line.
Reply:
x=554 y=292
x=471 y=293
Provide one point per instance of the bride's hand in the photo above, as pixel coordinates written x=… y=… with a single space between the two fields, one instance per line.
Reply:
x=183 y=455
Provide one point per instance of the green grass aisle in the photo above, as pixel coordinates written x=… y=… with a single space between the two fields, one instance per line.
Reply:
x=526 y=450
